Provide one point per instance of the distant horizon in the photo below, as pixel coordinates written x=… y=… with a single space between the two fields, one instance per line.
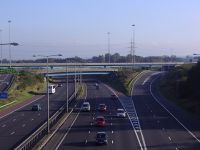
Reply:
x=79 y=28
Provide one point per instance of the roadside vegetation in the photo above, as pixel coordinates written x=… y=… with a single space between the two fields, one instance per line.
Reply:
x=182 y=86
x=25 y=86
x=121 y=80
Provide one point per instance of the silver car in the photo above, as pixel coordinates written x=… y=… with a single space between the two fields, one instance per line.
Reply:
x=121 y=113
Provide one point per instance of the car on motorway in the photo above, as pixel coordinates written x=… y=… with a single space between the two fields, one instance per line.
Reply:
x=97 y=86
x=100 y=121
x=121 y=113
x=36 y=107
x=101 y=138
x=86 y=106
x=102 y=107
x=113 y=96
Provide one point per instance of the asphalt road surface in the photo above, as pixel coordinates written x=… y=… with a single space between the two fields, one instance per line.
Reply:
x=81 y=135
x=15 y=127
x=5 y=80
x=164 y=125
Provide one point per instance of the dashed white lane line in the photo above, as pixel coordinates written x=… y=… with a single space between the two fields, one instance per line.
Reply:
x=23 y=125
x=3 y=126
x=156 y=99
x=111 y=124
x=14 y=120
x=112 y=132
x=32 y=119
x=177 y=148
x=86 y=141
x=12 y=133
x=169 y=138
x=89 y=131
x=112 y=142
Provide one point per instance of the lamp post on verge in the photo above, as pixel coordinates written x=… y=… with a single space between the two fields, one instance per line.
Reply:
x=1 y=44
x=108 y=33
x=67 y=94
x=47 y=78
x=9 y=21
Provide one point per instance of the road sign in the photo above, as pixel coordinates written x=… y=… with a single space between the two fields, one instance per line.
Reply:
x=3 y=95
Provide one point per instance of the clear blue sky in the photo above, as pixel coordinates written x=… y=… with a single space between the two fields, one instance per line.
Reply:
x=79 y=27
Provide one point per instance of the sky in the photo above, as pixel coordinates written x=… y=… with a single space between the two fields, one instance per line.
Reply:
x=79 y=27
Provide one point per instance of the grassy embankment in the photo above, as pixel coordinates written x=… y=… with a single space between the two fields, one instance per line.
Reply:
x=25 y=86
x=121 y=80
x=181 y=85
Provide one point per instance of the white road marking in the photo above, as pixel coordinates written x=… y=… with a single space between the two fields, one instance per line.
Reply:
x=111 y=124
x=70 y=126
x=145 y=80
x=198 y=140
x=112 y=142
x=169 y=138
x=3 y=125
x=23 y=125
x=12 y=133
x=86 y=141
x=112 y=131
x=32 y=119
x=89 y=131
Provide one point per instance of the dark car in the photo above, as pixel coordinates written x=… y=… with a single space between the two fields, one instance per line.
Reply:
x=101 y=138
x=36 y=107
x=102 y=107
x=100 y=121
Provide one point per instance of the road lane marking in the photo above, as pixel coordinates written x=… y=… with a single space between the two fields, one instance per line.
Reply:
x=70 y=125
x=86 y=141
x=22 y=107
x=112 y=132
x=170 y=112
x=89 y=131
x=12 y=133
x=142 y=147
x=169 y=138
x=32 y=119
x=112 y=142
x=23 y=125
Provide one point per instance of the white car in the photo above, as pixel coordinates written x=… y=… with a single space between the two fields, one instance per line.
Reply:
x=121 y=113
x=86 y=106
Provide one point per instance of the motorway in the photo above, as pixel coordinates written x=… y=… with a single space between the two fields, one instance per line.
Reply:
x=81 y=134
x=164 y=125
x=15 y=127
x=153 y=123
x=5 y=80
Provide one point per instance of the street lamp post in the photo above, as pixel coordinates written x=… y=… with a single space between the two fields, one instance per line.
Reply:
x=9 y=21
x=108 y=33
x=1 y=44
x=47 y=78
x=67 y=94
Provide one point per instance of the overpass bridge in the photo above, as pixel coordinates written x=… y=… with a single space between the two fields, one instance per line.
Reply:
x=102 y=65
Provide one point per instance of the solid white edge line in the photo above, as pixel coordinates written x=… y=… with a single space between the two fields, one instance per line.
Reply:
x=61 y=141
x=170 y=112
x=21 y=107
x=127 y=115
